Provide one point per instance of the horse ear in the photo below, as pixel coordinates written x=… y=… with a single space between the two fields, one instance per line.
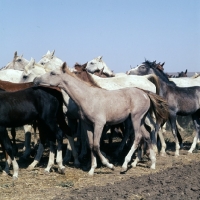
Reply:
x=99 y=58
x=186 y=71
x=15 y=54
x=32 y=61
x=162 y=64
x=52 y=54
x=64 y=67
x=48 y=52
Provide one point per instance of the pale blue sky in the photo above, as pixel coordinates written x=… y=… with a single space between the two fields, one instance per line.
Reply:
x=124 y=32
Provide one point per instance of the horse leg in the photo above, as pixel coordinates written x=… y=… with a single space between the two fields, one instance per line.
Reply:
x=83 y=141
x=40 y=150
x=196 y=122
x=149 y=121
x=8 y=162
x=138 y=158
x=73 y=126
x=34 y=133
x=71 y=146
x=55 y=133
x=138 y=137
x=179 y=127
x=90 y=137
x=162 y=140
x=179 y=137
x=98 y=128
x=128 y=128
x=172 y=120
x=15 y=148
x=27 y=143
x=5 y=140
x=147 y=139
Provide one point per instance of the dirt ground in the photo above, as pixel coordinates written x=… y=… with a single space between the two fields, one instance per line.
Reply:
x=173 y=178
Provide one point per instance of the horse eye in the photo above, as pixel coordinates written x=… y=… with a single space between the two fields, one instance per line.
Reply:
x=25 y=76
x=19 y=60
x=52 y=73
x=42 y=63
x=92 y=63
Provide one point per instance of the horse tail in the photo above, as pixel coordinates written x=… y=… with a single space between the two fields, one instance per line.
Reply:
x=155 y=80
x=159 y=106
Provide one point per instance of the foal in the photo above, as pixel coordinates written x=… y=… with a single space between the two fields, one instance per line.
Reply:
x=108 y=107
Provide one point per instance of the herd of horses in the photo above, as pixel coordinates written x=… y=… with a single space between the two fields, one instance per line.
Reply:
x=88 y=100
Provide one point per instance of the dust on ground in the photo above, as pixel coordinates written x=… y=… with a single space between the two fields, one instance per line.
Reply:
x=174 y=177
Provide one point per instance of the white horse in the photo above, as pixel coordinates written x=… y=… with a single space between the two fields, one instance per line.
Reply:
x=98 y=64
x=50 y=62
x=17 y=63
x=186 y=81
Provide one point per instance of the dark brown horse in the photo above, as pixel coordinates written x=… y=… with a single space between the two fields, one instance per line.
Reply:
x=43 y=104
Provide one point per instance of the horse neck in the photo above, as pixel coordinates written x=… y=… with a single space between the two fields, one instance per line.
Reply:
x=164 y=81
x=76 y=89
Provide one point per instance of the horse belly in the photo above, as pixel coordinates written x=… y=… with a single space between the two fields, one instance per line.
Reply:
x=17 y=117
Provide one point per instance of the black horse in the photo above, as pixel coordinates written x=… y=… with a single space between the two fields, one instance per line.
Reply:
x=181 y=101
x=35 y=103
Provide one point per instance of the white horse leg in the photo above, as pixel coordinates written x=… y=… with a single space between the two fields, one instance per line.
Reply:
x=61 y=168
x=15 y=168
x=196 y=123
x=127 y=159
x=38 y=156
x=194 y=143
x=137 y=159
x=162 y=140
x=149 y=121
x=27 y=143
x=51 y=157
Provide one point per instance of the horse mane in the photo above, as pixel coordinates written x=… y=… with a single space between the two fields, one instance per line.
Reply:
x=87 y=80
x=159 y=72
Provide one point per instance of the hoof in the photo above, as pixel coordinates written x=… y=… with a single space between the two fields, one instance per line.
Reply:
x=176 y=154
x=30 y=168
x=77 y=165
x=90 y=173
x=46 y=171
x=61 y=171
x=4 y=173
x=112 y=167
x=153 y=167
x=15 y=178
x=133 y=164
x=189 y=152
x=123 y=170
x=163 y=154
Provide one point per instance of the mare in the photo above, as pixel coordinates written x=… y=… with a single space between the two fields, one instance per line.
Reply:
x=108 y=107
x=34 y=103
x=17 y=63
x=181 y=100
